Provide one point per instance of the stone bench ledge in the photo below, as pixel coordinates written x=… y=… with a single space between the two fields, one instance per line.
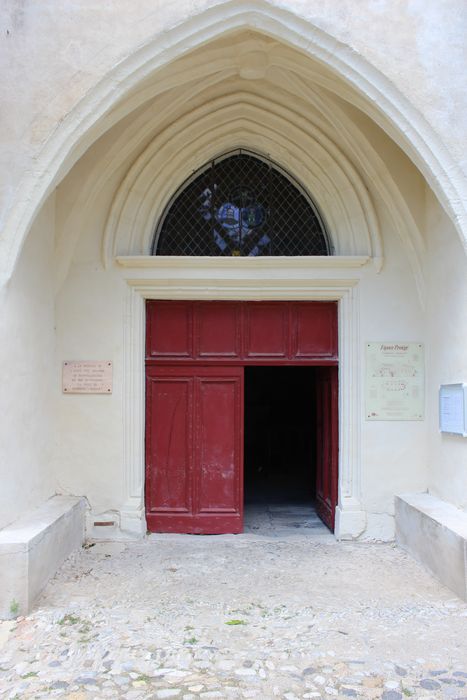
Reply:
x=435 y=533
x=32 y=549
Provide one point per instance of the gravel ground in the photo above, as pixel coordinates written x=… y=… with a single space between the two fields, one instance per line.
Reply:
x=246 y=616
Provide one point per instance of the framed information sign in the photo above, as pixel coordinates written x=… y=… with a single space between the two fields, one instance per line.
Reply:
x=395 y=381
x=453 y=409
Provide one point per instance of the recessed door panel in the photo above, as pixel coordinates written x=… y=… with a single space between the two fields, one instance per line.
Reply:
x=169 y=443
x=316 y=330
x=169 y=331
x=217 y=330
x=219 y=451
x=266 y=330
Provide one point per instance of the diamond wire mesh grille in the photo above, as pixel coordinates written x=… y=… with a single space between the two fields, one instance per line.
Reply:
x=241 y=206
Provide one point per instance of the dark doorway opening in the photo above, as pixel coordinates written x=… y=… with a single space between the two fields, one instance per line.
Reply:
x=280 y=436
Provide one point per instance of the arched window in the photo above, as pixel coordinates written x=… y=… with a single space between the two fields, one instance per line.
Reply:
x=241 y=205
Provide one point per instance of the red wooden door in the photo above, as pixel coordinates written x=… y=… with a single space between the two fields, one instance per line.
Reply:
x=194 y=449
x=195 y=355
x=326 y=402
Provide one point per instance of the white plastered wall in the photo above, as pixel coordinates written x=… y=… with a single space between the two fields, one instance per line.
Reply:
x=29 y=375
x=447 y=361
x=393 y=452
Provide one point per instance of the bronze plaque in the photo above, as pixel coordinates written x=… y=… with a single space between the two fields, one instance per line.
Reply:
x=87 y=377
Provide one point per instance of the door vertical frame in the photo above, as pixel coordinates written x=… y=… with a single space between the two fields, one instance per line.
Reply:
x=350 y=515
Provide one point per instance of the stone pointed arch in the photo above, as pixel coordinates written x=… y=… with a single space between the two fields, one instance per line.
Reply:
x=96 y=112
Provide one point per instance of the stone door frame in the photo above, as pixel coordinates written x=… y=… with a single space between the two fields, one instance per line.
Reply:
x=296 y=279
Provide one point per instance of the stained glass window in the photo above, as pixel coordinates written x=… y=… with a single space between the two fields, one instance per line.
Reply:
x=241 y=205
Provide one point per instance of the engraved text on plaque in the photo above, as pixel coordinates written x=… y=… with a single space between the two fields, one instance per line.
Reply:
x=87 y=377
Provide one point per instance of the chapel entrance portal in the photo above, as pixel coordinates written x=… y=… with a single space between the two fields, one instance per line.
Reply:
x=241 y=407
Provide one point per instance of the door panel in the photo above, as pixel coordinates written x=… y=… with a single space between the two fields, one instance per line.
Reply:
x=326 y=399
x=219 y=454
x=194 y=449
x=217 y=330
x=316 y=330
x=169 y=443
x=169 y=330
x=266 y=330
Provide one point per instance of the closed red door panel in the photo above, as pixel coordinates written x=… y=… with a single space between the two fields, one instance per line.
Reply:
x=316 y=329
x=217 y=330
x=194 y=449
x=169 y=443
x=169 y=333
x=266 y=330
x=218 y=433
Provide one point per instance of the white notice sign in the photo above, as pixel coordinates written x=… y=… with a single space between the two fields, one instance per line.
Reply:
x=87 y=377
x=395 y=381
x=453 y=409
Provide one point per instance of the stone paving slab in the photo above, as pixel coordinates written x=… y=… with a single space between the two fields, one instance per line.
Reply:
x=190 y=617
x=285 y=521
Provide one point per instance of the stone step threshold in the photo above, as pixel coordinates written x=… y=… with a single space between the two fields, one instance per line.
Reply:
x=435 y=533
x=34 y=547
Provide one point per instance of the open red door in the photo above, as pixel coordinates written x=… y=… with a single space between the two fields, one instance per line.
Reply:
x=194 y=449
x=327 y=444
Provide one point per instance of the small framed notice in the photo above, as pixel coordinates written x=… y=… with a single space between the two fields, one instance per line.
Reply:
x=395 y=381
x=87 y=377
x=453 y=409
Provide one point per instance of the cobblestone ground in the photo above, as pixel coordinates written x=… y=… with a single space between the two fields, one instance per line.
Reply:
x=238 y=617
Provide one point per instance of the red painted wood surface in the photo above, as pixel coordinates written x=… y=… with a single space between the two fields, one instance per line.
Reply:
x=326 y=403
x=194 y=449
x=169 y=331
x=217 y=331
x=266 y=330
x=315 y=330
x=242 y=332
